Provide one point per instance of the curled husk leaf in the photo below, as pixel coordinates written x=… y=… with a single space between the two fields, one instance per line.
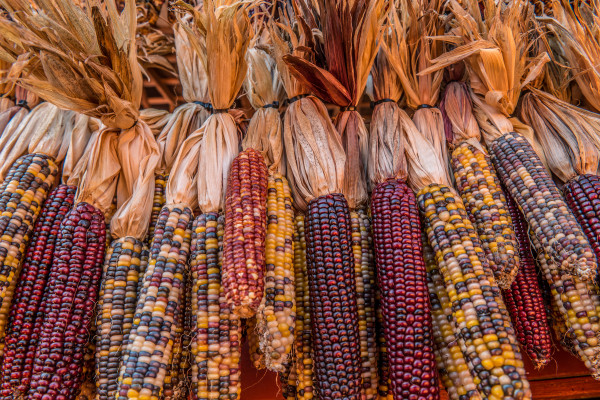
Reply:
x=155 y=119
x=458 y=110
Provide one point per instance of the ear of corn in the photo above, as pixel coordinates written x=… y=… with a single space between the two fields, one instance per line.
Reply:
x=256 y=355
x=485 y=203
x=245 y=231
x=158 y=202
x=334 y=312
x=303 y=343
x=149 y=346
x=405 y=305
x=556 y=229
x=25 y=317
x=288 y=379
x=216 y=346
x=364 y=274
x=481 y=321
x=583 y=197
x=384 y=389
x=453 y=368
x=70 y=302
x=277 y=313
x=524 y=299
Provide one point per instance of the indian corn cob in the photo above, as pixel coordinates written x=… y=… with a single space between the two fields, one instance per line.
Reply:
x=524 y=299
x=70 y=302
x=277 y=313
x=582 y=196
x=288 y=379
x=480 y=318
x=25 y=318
x=453 y=368
x=384 y=390
x=256 y=355
x=216 y=346
x=150 y=341
x=116 y=310
x=405 y=305
x=158 y=202
x=245 y=231
x=303 y=342
x=330 y=265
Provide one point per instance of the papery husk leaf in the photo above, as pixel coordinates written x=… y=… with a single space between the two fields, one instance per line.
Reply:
x=385 y=82
x=355 y=141
x=314 y=152
x=430 y=123
x=79 y=139
x=181 y=186
x=6 y=115
x=192 y=73
x=98 y=183
x=139 y=156
x=155 y=119
x=456 y=105
x=262 y=83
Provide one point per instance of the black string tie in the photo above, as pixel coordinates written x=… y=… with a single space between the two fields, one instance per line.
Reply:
x=274 y=104
x=23 y=103
x=425 y=106
x=348 y=108
x=296 y=98
x=378 y=102
x=208 y=106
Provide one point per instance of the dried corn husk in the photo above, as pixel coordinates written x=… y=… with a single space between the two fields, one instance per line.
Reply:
x=386 y=142
x=264 y=88
x=458 y=111
x=82 y=131
x=155 y=119
x=220 y=35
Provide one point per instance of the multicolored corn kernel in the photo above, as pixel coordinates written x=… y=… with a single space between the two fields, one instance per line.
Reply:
x=288 y=379
x=25 y=318
x=407 y=325
x=303 y=343
x=149 y=346
x=158 y=202
x=547 y=215
x=72 y=293
x=384 y=385
x=256 y=355
x=480 y=320
x=116 y=310
x=480 y=191
x=22 y=195
x=245 y=231
x=583 y=198
x=525 y=301
x=334 y=310
x=276 y=317
x=216 y=346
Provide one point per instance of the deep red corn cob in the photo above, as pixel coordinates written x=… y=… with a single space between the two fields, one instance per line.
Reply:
x=20 y=342
x=334 y=311
x=524 y=299
x=72 y=294
x=583 y=198
x=245 y=232
x=402 y=279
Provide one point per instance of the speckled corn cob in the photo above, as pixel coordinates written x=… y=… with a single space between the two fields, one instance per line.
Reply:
x=480 y=190
x=116 y=309
x=384 y=389
x=549 y=219
x=288 y=379
x=334 y=311
x=364 y=274
x=216 y=346
x=25 y=316
x=89 y=390
x=256 y=355
x=583 y=197
x=406 y=311
x=479 y=316
x=303 y=345
x=277 y=313
x=452 y=366
x=158 y=202
x=150 y=343
x=245 y=231
x=22 y=194
x=524 y=299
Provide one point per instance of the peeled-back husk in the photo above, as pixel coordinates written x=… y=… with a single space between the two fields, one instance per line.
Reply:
x=429 y=122
x=355 y=142
x=80 y=138
x=456 y=104
x=155 y=119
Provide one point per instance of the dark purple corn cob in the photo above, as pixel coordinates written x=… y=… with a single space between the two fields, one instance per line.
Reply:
x=583 y=198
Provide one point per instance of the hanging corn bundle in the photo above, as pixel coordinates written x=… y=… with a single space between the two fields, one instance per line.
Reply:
x=396 y=220
x=495 y=52
x=221 y=36
x=480 y=320
x=479 y=186
x=276 y=314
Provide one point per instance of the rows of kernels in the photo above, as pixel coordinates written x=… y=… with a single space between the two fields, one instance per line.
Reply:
x=148 y=348
x=524 y=299
x=334 y=311
x=480 y=191
x=452 y=366
x=303 y=343
x=407 y=324
x=245 y=231
x=24 y=317
x=583 y=197
x=276 y=317
x=116 y=309
x=256 y=355
x=216 y=345
x=384 y=389
x=288 y=379
x=158 y=202
x=73 y=285
x=22 y=195
x=545 y=211
x=364 y=274
x=89 y=390
x=478 y=313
